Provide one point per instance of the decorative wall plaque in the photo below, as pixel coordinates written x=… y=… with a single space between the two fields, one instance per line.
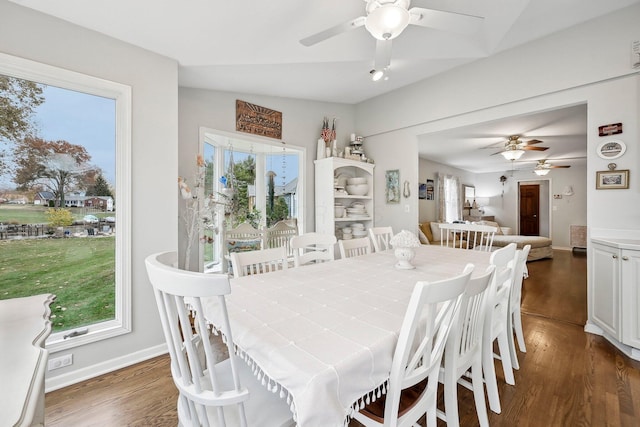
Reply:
x=257 y=120
x=612 y=129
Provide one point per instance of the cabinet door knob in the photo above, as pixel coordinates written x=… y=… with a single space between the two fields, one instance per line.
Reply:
x=625 y=258
x=615 y=256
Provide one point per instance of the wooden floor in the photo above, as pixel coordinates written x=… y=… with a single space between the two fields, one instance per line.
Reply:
x=567 y=377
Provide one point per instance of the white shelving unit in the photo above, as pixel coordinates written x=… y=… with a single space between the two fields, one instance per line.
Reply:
x=327 y=171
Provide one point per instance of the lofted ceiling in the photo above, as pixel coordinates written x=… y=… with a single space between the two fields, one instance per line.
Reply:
x=253 y=46
x=474 y=148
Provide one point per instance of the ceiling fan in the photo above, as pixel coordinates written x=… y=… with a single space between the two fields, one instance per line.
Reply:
x=386 y=19
x=514 y=148
x=543 y=168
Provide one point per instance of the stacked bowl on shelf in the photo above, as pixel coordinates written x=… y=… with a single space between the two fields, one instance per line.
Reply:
x=357 y=230
x=357 y=186
x=347 y=233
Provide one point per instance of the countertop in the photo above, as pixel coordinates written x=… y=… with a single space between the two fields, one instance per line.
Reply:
x=633 y=244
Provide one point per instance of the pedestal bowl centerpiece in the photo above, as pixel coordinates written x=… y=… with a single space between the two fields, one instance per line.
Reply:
x=403 y=244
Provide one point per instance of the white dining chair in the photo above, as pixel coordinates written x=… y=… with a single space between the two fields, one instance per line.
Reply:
x=354 y=247
x=467 y=236
x=463 y=352
x=280 y=234
x=515 y=316
x=496 y=324
x=229 y=394
x=381 y=237
x=313 y=248
x=413 y=383
x=259 y=262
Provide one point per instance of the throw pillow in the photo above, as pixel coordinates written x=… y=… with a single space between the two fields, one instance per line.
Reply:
x=238 y=245
x=422 y=237
x=426 y=229
x=435 y=230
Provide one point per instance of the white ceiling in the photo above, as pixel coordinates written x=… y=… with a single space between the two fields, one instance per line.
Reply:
x=253 y=46
x=474 y=148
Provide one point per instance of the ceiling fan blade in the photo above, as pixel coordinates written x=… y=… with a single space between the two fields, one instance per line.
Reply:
x=383 y=54
x=526 y=147
x=333 y=31
x=559 y=166
x=445 y=21
x=534 y=141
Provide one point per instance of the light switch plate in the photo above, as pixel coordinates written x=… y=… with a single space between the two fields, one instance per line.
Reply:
x=635 y=54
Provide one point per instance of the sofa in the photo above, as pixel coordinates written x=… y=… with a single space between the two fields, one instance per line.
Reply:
x=541 y=247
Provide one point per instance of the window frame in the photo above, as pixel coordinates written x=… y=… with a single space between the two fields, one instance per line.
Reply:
x=53 y=76
x=206 y=132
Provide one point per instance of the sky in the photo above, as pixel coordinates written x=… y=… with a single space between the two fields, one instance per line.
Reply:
x=81 y=119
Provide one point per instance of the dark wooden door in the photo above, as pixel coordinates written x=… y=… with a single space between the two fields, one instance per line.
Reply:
x=530 y=210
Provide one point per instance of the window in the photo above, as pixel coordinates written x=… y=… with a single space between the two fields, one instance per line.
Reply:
x=449 y=195
x=260 y=181
x=70 y=179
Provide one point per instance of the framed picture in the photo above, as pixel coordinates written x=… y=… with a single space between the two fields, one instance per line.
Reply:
x=430 y=189
x=392 y=190
x=612 y=179
x=422 y=191
x=611 y=149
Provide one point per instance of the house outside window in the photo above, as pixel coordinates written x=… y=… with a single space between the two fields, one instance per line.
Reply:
x=266 y=175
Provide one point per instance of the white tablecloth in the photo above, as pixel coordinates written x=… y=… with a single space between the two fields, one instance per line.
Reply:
x=323 y=335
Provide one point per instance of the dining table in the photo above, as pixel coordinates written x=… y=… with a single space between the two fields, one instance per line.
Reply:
x=323 y=335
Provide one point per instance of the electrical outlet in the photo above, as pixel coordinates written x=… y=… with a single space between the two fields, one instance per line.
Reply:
x=407 y=208
x=61 y=362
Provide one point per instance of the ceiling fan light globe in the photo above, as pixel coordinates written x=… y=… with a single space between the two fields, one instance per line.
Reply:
x=376 y=75
x=387 y=21
x=541 y=172
x=512 y=154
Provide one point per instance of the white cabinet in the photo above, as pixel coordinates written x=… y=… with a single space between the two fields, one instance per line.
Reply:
x=630 y=275
x=334 y=171
x=605 y=286
x=615 y=289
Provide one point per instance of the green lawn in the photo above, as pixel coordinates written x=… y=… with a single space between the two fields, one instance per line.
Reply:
x=33 y=214
x=80 y=271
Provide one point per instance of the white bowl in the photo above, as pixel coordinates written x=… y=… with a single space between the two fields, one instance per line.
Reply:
x=357 y=226
x=361 y=233
x=357 y=180
x=358 y=189
x=338 y=211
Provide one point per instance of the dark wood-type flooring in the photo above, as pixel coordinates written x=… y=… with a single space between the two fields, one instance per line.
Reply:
x=567 y=377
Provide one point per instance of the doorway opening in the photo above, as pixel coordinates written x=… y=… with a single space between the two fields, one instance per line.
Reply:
x=534 y=208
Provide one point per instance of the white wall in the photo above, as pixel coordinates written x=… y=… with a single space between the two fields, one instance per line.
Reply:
x=571 y=210
x=153 y=79
x=428 y=209
x=301 y=126
x=564 y=69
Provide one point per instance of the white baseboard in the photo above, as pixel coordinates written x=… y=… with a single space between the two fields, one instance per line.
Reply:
x=632 y=353
x=93 y=371
x=592 y=328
